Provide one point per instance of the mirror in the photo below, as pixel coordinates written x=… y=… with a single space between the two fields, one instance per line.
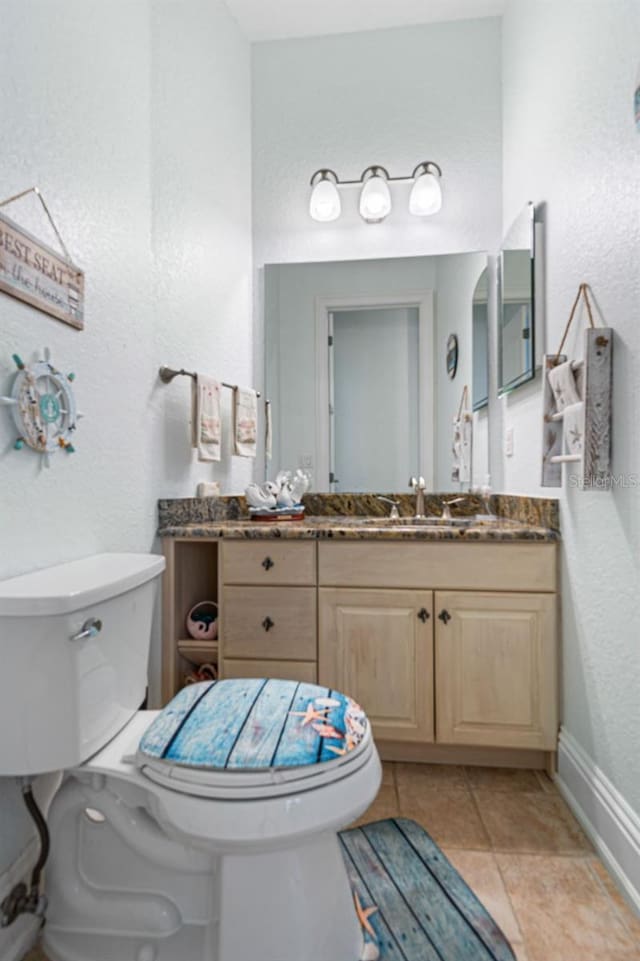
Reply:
x=516 y=325
x=356 y=369
x=480 y=334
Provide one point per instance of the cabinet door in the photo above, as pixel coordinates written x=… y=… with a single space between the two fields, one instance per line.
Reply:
x=377 y=646
x=496 y=669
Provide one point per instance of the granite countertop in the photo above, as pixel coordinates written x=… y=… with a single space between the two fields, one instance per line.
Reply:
x=357 y=528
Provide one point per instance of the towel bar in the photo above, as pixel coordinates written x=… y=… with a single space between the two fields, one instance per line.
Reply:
x=167 y=374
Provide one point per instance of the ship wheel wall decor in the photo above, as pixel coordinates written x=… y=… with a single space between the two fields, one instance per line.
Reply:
x=43 y=407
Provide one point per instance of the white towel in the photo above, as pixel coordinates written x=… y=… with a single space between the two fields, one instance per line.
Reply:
x=206 y=428
x=268 y=431
x=563 y=385
x=461 y=443
x=245 y=421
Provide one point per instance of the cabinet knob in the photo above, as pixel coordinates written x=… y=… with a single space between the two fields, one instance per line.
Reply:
x=444 y=616
x=267 y=563
x=268 y=624
x=423 y=614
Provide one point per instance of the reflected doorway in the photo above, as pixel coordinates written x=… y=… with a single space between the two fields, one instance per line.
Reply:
x=379 y=379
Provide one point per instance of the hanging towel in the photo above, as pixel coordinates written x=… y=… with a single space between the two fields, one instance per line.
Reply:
x=563 y=385
x=461 y=443
x=268 y=431
x=205 y=418
x=245 y=421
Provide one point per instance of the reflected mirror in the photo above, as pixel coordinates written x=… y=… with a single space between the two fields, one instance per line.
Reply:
x=480 y=333
x=516 y=326
x=356 y=370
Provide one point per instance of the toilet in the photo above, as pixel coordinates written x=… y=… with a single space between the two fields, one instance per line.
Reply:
x=203 y=832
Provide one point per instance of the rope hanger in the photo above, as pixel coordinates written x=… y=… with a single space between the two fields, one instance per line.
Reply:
x=583 y=291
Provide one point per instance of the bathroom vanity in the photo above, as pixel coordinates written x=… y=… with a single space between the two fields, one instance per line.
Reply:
x=447 y=636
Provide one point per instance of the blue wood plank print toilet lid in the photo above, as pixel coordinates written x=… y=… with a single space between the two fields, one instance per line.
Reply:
x=251 y=724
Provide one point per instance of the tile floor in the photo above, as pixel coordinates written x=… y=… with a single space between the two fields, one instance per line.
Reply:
x=515 y=842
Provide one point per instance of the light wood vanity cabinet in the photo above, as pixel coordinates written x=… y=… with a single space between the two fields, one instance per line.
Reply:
x=445 y=644
x=479 y=671
x=378 y=646
x=269 y=609
x=495 y=669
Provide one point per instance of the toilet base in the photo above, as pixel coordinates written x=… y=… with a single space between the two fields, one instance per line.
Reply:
x=120 y=889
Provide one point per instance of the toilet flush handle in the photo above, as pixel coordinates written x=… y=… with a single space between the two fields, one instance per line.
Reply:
x=90 y=628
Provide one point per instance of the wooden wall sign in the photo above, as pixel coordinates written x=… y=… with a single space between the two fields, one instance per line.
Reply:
x=36 y=274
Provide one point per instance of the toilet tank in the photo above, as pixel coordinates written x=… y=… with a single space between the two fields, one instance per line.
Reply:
x=63 y=696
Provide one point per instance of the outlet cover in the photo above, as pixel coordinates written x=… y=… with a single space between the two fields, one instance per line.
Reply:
x=508 y=442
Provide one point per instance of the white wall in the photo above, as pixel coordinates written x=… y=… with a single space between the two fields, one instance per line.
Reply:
x=569 y=141
x=393 y=97
x=125 y=115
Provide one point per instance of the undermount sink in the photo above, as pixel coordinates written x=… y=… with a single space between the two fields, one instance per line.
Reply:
x=416 y=521
x=436 y=521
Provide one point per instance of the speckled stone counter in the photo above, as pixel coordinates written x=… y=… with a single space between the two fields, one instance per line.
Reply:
x=361 y=529
x=532 y=513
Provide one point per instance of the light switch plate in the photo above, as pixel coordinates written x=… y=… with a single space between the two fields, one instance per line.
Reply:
x=508 y=442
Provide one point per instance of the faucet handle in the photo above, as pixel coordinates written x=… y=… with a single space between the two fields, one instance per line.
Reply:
x=394 y=514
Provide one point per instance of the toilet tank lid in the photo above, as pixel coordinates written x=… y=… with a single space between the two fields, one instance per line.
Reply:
x=76 y=584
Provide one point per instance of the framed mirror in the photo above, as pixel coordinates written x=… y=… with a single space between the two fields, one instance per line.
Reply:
x=355 y=368
x=517 y=310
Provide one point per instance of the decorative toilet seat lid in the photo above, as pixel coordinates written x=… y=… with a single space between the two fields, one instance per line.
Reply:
x=252 y=732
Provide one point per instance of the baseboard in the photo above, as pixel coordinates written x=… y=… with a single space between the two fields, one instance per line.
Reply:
x=607 y=819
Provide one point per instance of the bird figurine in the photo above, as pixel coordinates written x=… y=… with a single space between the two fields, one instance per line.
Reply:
x=284 y=497
x=260 y=497
x=299 y=486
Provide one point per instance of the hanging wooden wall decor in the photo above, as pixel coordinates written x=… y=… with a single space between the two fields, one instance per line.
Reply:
x=577 y=408
x=33 y=272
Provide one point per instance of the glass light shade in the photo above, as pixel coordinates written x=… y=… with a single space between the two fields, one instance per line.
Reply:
x=375 y=200
x=325 y=202
x=426 y=195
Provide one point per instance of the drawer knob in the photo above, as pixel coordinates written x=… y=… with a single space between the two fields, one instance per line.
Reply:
x=267 y=563
x=444 y=616
x=268 y=624
x=423 y=614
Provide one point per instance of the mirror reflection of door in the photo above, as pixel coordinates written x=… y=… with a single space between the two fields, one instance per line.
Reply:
x=374 y=391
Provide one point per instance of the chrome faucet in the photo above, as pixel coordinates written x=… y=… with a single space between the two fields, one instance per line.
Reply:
x=418 y=485
x=394 y=513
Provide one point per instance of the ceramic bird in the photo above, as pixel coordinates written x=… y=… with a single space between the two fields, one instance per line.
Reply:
x=259 y=497
x=284 y=497
x=299 y=486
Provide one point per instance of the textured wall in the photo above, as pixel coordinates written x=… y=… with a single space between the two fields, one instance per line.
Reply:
x=393 y=97
x=125 y=116
x=569 y=141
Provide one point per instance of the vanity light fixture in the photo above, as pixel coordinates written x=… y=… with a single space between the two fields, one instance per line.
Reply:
x=324 y=204
x=426 y=195
x=375 y=195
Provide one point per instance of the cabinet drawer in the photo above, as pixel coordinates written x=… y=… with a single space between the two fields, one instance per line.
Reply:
x=269 y=562
x=285 y=670
x=439 y=565
x=274 y=623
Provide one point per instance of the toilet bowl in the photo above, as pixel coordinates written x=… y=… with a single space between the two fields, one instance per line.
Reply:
x=204 y=832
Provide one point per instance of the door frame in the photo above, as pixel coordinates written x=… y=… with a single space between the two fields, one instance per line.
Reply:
x=423 y=300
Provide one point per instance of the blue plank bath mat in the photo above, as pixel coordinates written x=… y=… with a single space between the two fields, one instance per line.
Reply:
x=412 y=903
